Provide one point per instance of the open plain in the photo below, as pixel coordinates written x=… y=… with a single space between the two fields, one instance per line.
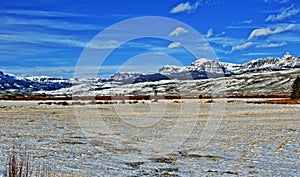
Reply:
x=164 y=138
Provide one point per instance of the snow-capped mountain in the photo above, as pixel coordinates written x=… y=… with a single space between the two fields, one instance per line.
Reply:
x=270 y=64
x=204 y=69
x=246 y=84
x=125 y=77
x=120 y=76
x=288 y=61
x=199 y=69
x=202 y=64
x=44 y=79
x=231 y=67
x=16 y=83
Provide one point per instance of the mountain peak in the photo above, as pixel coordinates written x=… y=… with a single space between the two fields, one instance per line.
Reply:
x=287 y=56
x=200 y=62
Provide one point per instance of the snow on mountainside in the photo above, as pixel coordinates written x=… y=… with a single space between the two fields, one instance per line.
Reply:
x=231 y=67
x=202 y=64
x=272 y=83
x=125 y=77
x=170 y=69
x=45 y=79
x=288 y=61
x=270 y=64
x=200 y=69
x=204 y=69
x=120 y=76
x=11 y=82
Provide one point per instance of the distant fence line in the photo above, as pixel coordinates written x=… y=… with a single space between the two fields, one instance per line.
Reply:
x=129 y=97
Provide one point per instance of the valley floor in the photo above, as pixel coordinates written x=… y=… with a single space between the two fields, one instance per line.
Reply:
x=185 y=138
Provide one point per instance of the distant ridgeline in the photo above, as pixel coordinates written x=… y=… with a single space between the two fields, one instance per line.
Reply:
x=204 y=69
x=22 y=84
x=199 y=69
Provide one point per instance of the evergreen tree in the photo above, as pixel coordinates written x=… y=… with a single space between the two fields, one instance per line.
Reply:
x=296 y=89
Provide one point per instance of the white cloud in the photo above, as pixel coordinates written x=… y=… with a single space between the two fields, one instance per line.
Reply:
x=241 y=26
x=51 y=24
x=178 y=31
x=223 y=41
x=42 y=39
x=221 y=34
x=260 y=32
x=41 y=13
x=247 y=21
x=284 y=14
x=271 y=44
x=281 y=29
x=209 y=33
x=111 y=44
x=268 y=31
x=242 y=46
x=174 y=45
x=277 y=1
x=259 y=54
x=182 y=7
x=205 y=47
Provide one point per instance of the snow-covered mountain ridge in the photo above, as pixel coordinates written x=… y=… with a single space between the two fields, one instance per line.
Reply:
x=288 y=61
x=246 y=84
x=201 y=69
x=31 y=84
x=204 y=69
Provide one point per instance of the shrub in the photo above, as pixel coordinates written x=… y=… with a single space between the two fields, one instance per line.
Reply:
x=18 y=168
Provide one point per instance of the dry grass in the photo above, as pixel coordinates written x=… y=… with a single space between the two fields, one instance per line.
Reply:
x=281 y=145
x=21 y=166
x=249 y=139
x=18 y=167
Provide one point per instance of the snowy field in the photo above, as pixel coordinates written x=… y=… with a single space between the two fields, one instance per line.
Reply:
x=181 y=138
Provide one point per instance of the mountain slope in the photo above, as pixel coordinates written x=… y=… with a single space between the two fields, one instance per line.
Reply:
x=247 y=84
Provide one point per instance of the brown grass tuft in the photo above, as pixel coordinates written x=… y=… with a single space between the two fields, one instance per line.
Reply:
x=281 y=145
x=17 y=167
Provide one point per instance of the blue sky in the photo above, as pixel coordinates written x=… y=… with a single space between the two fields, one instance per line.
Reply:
x=48 y=37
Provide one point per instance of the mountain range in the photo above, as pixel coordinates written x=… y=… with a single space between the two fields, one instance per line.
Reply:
x=204 y=69
x=197 y=78
x=31 y=84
